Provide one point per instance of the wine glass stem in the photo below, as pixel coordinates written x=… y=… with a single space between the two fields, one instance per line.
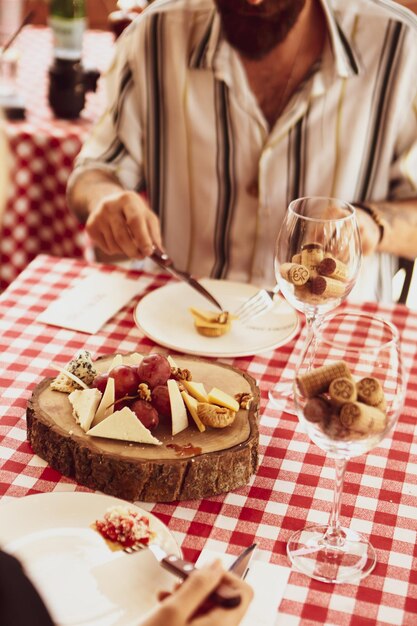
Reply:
x=334 y=536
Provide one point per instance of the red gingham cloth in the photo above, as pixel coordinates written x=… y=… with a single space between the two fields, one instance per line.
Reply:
x=294 y=482
x=36 y=219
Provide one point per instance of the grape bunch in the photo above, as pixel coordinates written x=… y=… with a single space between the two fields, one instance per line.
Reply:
x=154 y=370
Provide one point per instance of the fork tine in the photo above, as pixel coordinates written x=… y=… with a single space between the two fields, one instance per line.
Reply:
x=135 y=548
x=255 y=306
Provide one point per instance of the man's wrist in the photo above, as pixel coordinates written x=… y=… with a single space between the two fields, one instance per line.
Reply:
x=376 y=215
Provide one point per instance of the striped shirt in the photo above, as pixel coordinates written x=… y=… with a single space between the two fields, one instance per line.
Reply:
x=183 y=124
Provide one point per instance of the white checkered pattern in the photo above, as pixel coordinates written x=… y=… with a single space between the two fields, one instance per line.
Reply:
x=293 y=483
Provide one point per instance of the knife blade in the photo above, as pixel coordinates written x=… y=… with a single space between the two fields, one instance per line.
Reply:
x=164 y=261
x=225 y=595
x=240 y=566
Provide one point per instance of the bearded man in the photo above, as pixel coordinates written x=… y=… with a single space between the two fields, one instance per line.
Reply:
x=223 y=113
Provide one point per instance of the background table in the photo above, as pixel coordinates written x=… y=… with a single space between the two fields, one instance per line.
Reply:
x=43 y=150
x=294 y=481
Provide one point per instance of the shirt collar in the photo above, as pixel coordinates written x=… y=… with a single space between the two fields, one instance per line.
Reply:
x=205 y=53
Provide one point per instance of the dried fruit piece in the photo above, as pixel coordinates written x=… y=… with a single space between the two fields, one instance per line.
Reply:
x=215 y=416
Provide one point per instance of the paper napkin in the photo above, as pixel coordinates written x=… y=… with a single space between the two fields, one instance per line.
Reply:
x=268 y=582
x=91 y=303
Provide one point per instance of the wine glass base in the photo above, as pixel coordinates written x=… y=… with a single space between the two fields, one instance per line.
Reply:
x=349 y=562
x=282 y=397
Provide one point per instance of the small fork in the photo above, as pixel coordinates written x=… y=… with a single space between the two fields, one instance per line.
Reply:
x=257 y=304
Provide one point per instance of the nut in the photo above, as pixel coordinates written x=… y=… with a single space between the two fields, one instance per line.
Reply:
x=245 y=399
x=144 y=392
x=215 y=416
x=181 y=374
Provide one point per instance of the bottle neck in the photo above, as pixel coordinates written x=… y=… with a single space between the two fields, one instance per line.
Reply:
x=68 y=8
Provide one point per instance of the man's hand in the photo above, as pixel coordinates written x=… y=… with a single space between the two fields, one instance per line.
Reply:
x=121 y=222
x=181 y=608
x=369 y=232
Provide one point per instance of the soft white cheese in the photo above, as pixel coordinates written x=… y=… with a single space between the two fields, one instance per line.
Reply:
x=84 y=404
x=125 y=426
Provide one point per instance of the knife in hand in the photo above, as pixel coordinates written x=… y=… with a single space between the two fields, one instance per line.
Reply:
x=225 y=595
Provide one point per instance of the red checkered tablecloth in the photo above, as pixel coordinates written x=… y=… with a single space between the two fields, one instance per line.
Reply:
x=42 y=149
x=294 y=481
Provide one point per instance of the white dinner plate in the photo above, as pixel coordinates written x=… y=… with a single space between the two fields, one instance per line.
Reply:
x=163 y=315
x=82 y=581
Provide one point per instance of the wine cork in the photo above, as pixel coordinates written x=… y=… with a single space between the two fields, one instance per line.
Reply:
x=294 y=273
x=363 y=418
x=342 y=390
x=333 y=268
x=318 y=380
x=327 y=287
x=334 y=430
x=370 y=391
x=317 y=410
x=311 y=255
x=296 y=259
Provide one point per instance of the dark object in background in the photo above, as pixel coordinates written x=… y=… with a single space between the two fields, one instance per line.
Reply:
x=119 y=20
x=69 y=82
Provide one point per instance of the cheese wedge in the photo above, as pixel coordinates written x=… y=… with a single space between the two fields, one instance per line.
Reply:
x=211 y=324
x=171 y=362
x=221 y=398
x=178 y=410
x=125 y=426
x=118 y=360
x=105 y=407
x=197 y=390
x=84 y=404
x=191 y=404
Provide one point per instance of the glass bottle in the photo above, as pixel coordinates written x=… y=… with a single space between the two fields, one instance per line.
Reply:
x=68 y=19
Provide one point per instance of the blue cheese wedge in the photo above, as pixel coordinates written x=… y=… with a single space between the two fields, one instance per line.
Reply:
x=78 y=372
x=125 y=426
x=84 y=404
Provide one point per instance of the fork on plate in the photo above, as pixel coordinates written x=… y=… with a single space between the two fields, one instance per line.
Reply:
x=257 y=304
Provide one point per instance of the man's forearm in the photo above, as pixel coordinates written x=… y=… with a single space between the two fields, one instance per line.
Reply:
x=400 y=232
x=91 y=187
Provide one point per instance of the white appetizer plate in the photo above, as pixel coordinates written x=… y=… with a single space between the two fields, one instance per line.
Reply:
x=82 y=581
x=163 y=316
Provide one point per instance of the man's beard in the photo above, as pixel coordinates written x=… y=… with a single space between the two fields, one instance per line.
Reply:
x=254 y=30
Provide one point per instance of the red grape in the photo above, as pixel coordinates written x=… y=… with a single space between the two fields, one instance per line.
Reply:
x=154 y=370
x=160 y=400
x=145 y=413
x=126 y=380
x=100 y=382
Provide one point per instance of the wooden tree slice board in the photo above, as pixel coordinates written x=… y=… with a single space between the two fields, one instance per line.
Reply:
x=191 y=465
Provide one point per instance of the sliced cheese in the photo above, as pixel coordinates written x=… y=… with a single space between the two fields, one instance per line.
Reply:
x=125 y=426
x=178 y=410
x=84 y=404
x=172 y=362
x=106 y=406
x=197 y=390
x=217 y=396
x=117 y=360
x=191 y=404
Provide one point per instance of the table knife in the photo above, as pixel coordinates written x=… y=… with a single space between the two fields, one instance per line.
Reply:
x=164 y=261
x=225 y=595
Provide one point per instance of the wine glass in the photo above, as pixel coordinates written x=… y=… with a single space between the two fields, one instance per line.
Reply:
x=317 y=259
x=348 y=393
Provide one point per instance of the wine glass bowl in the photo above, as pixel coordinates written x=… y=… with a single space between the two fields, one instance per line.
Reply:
x=317 y=260
x=348 y=393
x=318 y=254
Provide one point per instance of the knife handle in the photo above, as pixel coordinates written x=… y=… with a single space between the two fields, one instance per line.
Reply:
x=225 y=595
